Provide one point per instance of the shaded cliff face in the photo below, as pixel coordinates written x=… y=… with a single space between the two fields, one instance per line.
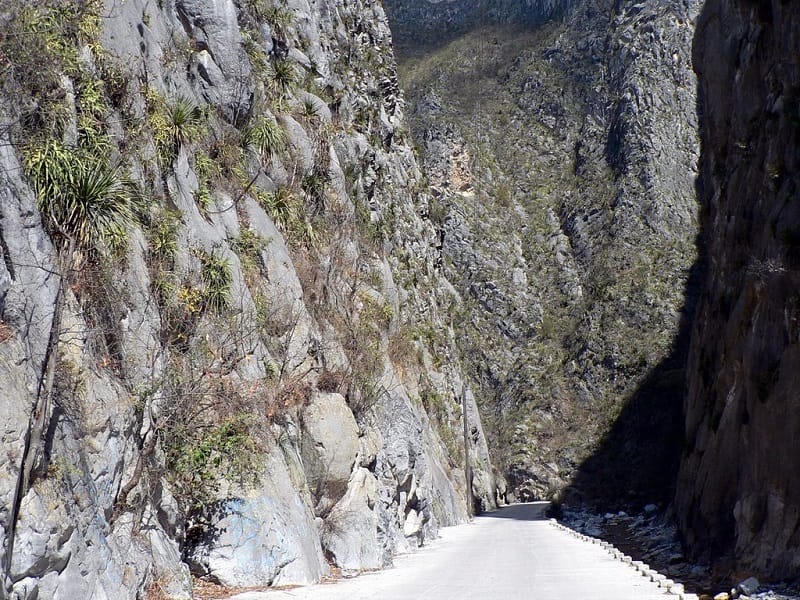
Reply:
x=438 y=21
x=738 y=494
x=563 y=162
x=218 y=302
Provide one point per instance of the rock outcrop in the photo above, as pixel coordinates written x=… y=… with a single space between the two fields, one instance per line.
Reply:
x=562 y=156
x=225 y=340
x=738 y=499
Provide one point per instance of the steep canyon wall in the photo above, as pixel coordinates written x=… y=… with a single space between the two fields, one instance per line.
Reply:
x=738 y=496
x=225 y=340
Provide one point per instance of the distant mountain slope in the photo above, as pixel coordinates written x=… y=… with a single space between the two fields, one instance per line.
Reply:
x=562 y=156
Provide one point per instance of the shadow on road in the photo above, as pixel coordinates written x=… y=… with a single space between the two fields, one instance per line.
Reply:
x=529 y=511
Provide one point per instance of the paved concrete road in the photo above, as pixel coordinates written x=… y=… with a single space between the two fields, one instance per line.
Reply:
x=511 y=554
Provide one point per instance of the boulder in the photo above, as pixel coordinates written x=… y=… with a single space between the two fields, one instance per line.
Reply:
x=748 y=587
x=329 y=447
x=264 y=536
x=349 y=534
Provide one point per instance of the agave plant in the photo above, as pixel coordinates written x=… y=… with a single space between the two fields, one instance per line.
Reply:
x=185 y=121
x=309 y=109
x=81 y=199
x=174 y=125
x=163 y=235
x=281 y=206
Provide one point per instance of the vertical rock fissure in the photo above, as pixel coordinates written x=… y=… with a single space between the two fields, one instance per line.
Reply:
x=34 y=435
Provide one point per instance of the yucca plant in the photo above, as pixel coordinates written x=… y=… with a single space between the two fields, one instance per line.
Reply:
x=174 y=125
x=185 y=121
x=267 y=137
x=285 y=76
x=313 y=185
x=215 y=273
x=281 y=206
x=207 y=169
x=249 y=243
x=163 y=235
x=309 y=109
x=81 y=198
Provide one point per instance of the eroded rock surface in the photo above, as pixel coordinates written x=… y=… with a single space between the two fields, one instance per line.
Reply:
x=736 y=498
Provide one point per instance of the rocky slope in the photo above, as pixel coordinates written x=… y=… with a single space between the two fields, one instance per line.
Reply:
x=432 y=22
x=225 y=338
x=738 y=496
x=562 y=156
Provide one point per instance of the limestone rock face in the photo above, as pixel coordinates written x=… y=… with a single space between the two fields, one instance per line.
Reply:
x=256 y=373
x=737 y=497
x=220 y=70
x=350 y=532
x=263 y=536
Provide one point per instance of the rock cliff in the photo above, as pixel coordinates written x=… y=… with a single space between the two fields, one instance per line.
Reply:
x=226 y=339
x=562 y=156
x=737 y=494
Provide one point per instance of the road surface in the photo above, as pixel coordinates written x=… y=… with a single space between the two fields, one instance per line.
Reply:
x=511 y=554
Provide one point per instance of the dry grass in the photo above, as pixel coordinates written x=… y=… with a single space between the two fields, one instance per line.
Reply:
x=206 y=590
x=6 y=333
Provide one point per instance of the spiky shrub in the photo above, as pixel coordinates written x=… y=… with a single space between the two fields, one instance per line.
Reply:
x=81 y=198
x=207 y=169
x=227 y=153
x=309 y=109
x=204 y=200
x=185 y=121
x=162 y=235
x=278 y=17
x=282 y=207
x=174 y=124
x=267 y=137
x=248 y=243
x=313 y=186
x=285 y=76
x=40 y=43
x=215 y=273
